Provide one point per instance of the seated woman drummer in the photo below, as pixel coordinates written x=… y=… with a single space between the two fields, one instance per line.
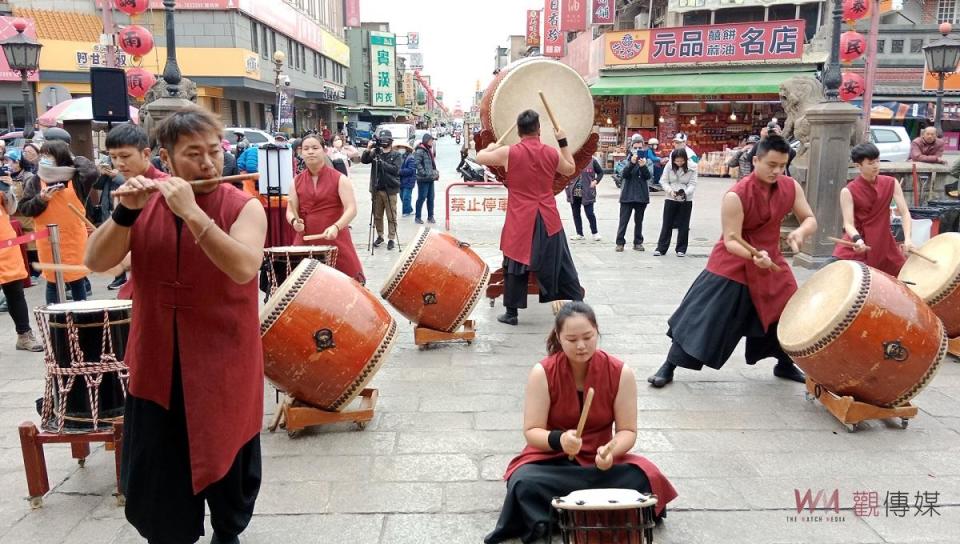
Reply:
x=554 y=399
x=322 y=203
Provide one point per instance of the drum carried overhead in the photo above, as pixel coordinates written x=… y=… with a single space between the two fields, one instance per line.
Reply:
x=938 y=284
x=324 y=336
x=861 y=333
x=437 y=281
x=597 y=516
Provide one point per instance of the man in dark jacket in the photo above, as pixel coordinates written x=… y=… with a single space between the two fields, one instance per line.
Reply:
x=384 y=184
x=634 y=197
x=408 y=178
x=427 y=174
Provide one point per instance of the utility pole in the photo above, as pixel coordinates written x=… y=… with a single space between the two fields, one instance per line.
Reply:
x=871 y=62
x=109 y=35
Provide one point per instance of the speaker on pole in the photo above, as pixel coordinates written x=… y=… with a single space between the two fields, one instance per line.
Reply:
x=108 y=89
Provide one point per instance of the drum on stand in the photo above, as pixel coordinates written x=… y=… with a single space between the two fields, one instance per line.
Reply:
x=437 y=281
x=861 y=333
x=324 y=336
x=595 y=516
x=279 y=262
x=85 y=344
x=938 y=284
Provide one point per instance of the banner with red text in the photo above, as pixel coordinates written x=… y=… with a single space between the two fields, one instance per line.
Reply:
x=552 y=37
x=603 y=12
x=533 y=28
x=573 y=16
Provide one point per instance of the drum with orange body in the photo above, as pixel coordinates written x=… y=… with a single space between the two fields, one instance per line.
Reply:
x=437 y=281
x=324 y=336
x=938 y=284
x=860 y=332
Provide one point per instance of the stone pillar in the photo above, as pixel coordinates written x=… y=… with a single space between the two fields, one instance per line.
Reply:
x=831 y=127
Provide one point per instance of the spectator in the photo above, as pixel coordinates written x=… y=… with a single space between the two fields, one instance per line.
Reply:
x=325 y=133
x=12 y=274
x=229 y=161
x=20 y=178
x=582 y=191
x=341 y=154
x=427 y=175
x=927 y=147
x=31 y=155
x=679 y=181
x=742 y=158
x=384 y=184
x=408 y=178
x=634 y=197
x=680 y=142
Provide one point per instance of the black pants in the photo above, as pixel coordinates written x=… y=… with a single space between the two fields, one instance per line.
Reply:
x=575 y=204
x=17 y=305
x=757 y=349
x=675 y=215
x=156 y=477
x=626 y=210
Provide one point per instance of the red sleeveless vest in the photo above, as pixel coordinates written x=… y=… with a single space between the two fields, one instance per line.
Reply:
x=217 y=329
x=530 y=172
x=871 y=217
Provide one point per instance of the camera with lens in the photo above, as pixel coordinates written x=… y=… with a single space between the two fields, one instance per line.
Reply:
x=4 y=170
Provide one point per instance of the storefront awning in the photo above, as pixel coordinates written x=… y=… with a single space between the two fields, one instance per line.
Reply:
x=709 y=84
x=387 y=112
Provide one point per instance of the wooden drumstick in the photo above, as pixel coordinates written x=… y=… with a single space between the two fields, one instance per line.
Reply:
x=753 y=251
x=546 y=106
x=196 y=183
x=847 y=243
x=81 y=215
x=505 y=134
x=922 y=256
x=311 y=237
x=75 y=268
x=583 y=415
x=608 y=448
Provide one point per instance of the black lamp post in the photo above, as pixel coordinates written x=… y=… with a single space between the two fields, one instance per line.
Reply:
x=831 y=77
x=278 y=59
x=23 y=55
x=171 y=70
x=942 y=57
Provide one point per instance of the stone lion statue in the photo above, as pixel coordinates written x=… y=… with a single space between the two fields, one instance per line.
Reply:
x=797 y=95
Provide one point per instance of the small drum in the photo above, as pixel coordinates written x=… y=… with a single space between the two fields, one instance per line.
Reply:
x=615 y=516
x=324 y=336
x=279 y=261
x=86 y=377
x=860 y=332
x=938 y=284
x=437 y=281
x=516 y=88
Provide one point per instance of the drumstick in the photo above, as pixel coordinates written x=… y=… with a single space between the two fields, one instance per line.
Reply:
x=505 y=134
x=753 y=251
x=195 y=183
x=847 y=243
x=81 y=215
x=68 y=268
x=311 y=237
x=922 y=256
x=549 y=111
x=583 y=414
x=608 y=447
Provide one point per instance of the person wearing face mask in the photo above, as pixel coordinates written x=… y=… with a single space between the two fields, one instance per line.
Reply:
x=20 y=178
x=341 y=154
x=47 y=200
x=31 y=156
x=12 y=276
x=323 y=203
x=555 y=461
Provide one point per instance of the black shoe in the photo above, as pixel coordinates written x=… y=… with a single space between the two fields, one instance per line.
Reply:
x=390 y=245
x=418 y=221
x=638 y=247
x=508 y=319
x=789 y=371
x=117 y=283
x=224 y=540
x=432 y=221
x=663 y=376
x=378 y=241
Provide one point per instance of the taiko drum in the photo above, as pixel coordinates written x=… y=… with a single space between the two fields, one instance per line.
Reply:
x=602 y=516
x=938 y=284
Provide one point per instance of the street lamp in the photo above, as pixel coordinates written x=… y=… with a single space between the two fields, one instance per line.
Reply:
x=23 y=55
x=942 y=56
x=278 y=58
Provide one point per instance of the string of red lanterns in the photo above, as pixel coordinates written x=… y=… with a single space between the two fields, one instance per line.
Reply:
x=136 y=41
x=853 y=45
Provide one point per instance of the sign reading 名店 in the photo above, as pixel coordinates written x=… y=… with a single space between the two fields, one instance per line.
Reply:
x=552 y=37
x=383 y=62
x=573 y=16
x=772 y=40
x=97 y=58
x=533 y=28
x=413 y=40
x=603 y=12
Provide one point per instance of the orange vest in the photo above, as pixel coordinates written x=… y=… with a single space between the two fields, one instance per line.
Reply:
x=11 y=259
x=73 y=232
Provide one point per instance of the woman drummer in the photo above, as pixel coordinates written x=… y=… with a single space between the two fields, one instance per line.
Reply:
x=552 y=408
x=322 y=203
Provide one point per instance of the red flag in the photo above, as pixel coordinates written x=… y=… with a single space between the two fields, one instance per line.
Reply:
x=533 y=27
x=604 y=12
x=552 y=37
x=352 y=13
x=573 y=16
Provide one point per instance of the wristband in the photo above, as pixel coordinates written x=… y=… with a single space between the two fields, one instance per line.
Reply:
x=554 y=440
x=124 y=216
x=562 y=142
x=856 y=238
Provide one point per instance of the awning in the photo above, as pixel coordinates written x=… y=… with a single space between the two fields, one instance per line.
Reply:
x=387 y=112
x=710 y=84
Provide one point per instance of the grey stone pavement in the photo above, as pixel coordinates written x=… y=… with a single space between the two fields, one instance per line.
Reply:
x=736 y=443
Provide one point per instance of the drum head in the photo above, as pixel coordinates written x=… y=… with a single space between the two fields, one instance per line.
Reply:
x=820 y=305
x=403 y=263
x=87 y=306
x=565 y=91
x=934 y=279
x=604 y=499
x=298 y=250
x=279 y=301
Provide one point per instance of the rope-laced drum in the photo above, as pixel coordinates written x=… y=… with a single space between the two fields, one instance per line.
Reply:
x=280 y=261
x=938 y=284
x=86 y=377
x=595 y=516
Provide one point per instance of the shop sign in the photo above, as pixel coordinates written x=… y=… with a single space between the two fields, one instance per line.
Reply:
x=413 y=40
x=533 y=28
x=603 y=12
x=772 y=40
x=931 y=80
x=332 y=93
x=382 y=69
x=416 y=61
x=96 y=57
x=552 y=37
x=573 y=16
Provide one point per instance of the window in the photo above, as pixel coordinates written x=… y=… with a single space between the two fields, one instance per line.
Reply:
x=303 y=58
x=881 y=136
x=896 y=46
x=739 y=15
x=247 y=120
x=264 y=52
x=273 y=43
x=254 y=37
x=946 y=11
x=809 y=13
x=255 y=137
x=881 y=46
x=696 y=18
x=782 y=12
x=916 y=45
x=290 y=58
x=316 y=64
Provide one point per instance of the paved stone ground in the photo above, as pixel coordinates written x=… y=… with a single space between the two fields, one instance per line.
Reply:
x=736 y=443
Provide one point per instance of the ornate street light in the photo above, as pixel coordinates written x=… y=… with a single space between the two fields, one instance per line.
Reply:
x=278 y=58
x=23 y=55
x=942 y=57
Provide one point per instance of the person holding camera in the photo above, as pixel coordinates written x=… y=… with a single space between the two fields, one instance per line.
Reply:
x=384 y=184
x=427 y=175
x=679 y=181
x=634 y=195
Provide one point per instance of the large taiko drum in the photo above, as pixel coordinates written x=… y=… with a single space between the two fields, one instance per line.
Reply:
x=601 y=516
x=437 y=281
x=860 y=332
x=938 y=284
x=279 y=261
x=324 y=336
x=516 y=88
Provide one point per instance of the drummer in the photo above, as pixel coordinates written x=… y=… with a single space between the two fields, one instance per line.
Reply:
x=738 y=290
x=532 y=239
x=322 y=203
x=552 y=408
x=865 y=204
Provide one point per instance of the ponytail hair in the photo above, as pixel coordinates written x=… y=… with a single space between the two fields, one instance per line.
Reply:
x=569 y=309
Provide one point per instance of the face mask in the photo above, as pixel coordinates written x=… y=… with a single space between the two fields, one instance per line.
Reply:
x=46 y=161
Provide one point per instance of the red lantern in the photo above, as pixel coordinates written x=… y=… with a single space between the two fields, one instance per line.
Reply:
x=132 y=7
x=852 y=46
x=139 y=82
x=855 y=9
x=136 y=40
x=851 y=86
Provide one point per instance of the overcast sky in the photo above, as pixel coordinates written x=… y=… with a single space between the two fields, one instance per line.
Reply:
x=457 y=37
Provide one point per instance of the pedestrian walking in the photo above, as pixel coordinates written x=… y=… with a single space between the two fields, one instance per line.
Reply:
x=582 y=193
x=679 y=182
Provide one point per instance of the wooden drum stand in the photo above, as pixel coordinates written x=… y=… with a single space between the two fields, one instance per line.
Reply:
x=295 y=415
x=849 y=412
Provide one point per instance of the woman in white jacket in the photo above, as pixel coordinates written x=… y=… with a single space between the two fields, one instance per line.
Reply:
x=679 y=181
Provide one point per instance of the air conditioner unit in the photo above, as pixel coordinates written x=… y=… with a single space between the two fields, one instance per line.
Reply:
x=642 y=20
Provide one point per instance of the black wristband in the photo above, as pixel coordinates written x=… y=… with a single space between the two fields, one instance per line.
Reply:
x=856 y=238
x=554 y=440
x=562 y=142
x=124 y=216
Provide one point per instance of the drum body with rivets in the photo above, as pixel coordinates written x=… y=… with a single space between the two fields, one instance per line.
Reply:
x=938 y=284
